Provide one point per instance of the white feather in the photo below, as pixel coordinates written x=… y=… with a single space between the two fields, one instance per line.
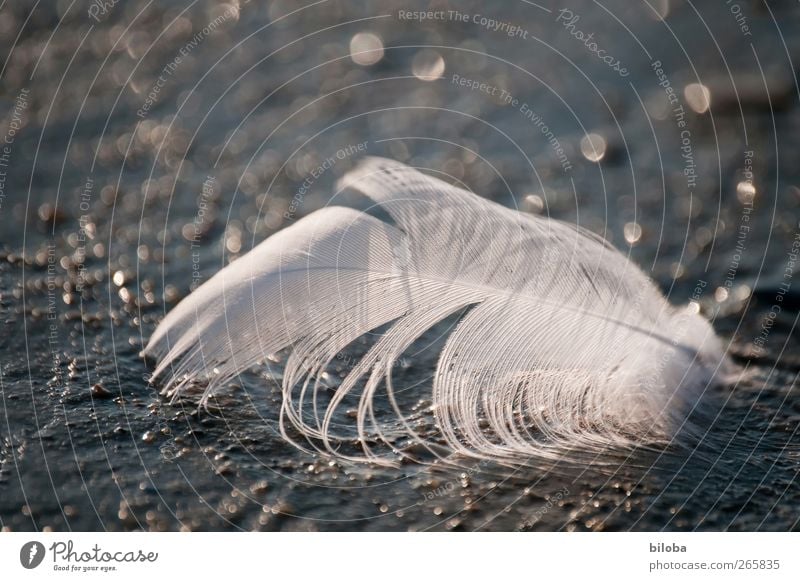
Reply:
x=563 y=342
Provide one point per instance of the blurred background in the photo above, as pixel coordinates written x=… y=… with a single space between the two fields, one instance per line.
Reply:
x=148 y=144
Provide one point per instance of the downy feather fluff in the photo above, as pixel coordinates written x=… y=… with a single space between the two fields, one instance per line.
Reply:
x=562 y=341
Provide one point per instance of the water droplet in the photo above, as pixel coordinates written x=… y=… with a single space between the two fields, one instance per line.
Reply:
x=99 y=391
x=233 y=243
x=660 y=9
x=745 y=192
x=593 y=147
x=677 y=270
x=366 y=48
x=632 y=232
x=741 y=292
x=698 y=97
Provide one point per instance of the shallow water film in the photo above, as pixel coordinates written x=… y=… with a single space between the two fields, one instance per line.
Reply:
x=146 y=145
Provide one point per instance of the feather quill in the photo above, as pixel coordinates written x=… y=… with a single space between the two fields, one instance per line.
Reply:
x=562 y=341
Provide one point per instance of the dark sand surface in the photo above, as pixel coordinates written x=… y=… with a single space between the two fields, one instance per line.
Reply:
x=105 y=224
